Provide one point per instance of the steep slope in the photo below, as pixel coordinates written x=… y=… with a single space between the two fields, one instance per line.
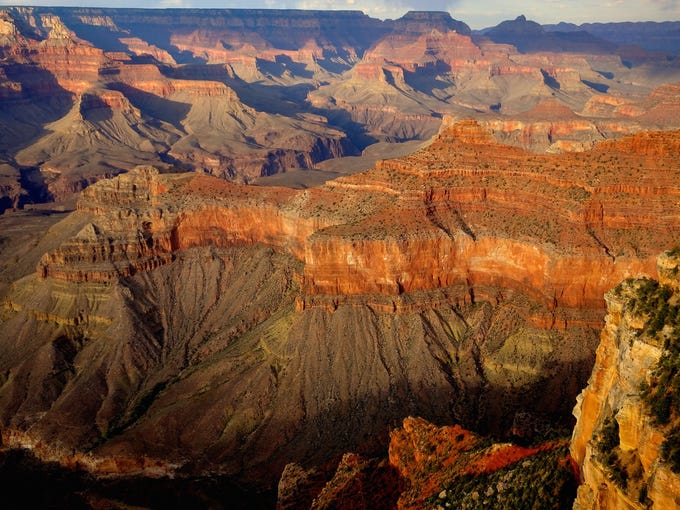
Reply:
x=178 y=330
x=625 y=439
x=446 y=467
x=102 y=135
x=246 y=93
x=116 y=109
x=236 y=141
x=12 y=195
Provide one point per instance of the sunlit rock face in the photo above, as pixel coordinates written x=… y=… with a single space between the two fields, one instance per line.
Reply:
x=429 y=465
x=205 y=325
x=242 y=94
x=617 y=440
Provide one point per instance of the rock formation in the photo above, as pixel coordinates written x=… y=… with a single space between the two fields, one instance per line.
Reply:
x=447 y=467
x=250 y=93
x=189 y=324
x=621 y=430
x=183 y=323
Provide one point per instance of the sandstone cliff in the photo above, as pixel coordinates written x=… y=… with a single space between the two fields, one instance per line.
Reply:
x=456 y=284
x=241 y=94
x=625 y=435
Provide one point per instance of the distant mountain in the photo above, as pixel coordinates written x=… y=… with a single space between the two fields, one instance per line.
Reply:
x=529 y=36
x=651 y=36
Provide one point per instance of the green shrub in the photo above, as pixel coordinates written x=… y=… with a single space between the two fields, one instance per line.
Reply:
x=608 y=446
x=642 y=495
x=609 y=435
x=542 y=481
x=661 y=396
x=670 y=449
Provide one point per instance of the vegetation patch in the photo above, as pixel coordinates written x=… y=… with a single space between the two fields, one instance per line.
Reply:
x=661 y=395
x=653 y=301
x=621 y=467
x=139 y=409
x=542 y=481
x=608 y=447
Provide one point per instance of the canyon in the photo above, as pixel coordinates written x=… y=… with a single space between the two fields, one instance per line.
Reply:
x=414 y=307
x=623 y=449
x=171 y=330
x=88 y=93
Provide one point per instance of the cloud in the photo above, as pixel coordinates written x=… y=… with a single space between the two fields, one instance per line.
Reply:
x=398 y=8
x=666 y=5
x=379 y=8
x=73 y=3
x=174 y=4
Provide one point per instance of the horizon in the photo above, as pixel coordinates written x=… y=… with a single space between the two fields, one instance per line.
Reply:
x=478 y=15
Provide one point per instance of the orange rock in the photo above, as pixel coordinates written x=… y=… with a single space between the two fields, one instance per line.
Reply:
x=464 y=211
x=624 y=360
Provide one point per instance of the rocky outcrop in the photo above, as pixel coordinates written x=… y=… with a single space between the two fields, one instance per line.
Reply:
x=617 y=441
x=550 y=127
x=142 y=48
x=419 y=22
x=431 y=52
x=430 y=466
x=125 y=243
x=456 y=283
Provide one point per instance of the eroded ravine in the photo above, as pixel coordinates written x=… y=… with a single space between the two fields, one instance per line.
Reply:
x=199 y=325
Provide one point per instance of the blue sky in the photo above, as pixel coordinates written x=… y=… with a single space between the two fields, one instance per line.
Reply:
x=476 y=13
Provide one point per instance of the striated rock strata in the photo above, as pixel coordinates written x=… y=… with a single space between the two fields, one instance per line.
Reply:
x=204 y=325
x=618 y=441
x=242 y=94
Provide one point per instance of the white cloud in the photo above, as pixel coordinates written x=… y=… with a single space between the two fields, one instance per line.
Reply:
x=174 y=4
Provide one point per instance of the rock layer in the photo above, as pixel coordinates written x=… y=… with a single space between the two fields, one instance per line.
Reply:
x=242 y=94
x=460 y=283
x=625 y=359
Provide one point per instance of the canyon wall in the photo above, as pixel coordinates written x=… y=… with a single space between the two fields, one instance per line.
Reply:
x=467 y=222
x=617 y=442
x=461 y=283
x=241 y=94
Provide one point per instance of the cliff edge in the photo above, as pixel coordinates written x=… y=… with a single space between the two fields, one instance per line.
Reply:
x=626 y=436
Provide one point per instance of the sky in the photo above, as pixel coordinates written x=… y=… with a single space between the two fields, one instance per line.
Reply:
x=476 y=13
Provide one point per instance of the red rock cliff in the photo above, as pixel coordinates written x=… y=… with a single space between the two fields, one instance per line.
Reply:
x=461 y=212
x=616 y=441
